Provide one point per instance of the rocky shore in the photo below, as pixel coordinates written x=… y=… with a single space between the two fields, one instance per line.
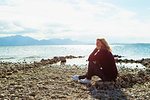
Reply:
x=144 y=61
x=43 y=80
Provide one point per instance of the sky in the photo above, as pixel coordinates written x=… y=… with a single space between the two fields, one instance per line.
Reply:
x=118 y=21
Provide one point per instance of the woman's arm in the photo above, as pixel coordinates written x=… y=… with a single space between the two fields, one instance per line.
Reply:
x=99 y=57
x=91 y=57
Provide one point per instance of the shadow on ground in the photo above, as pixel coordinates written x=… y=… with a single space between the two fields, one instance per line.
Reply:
x=114 y=90
x=106 y=90
x=120 y=88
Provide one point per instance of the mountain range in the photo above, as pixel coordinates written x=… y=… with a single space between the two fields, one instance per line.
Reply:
x=19 y=40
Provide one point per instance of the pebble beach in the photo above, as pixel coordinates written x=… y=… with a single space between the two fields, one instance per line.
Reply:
x=49 y=81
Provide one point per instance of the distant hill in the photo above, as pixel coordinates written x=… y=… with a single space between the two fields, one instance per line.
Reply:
x=19 y=40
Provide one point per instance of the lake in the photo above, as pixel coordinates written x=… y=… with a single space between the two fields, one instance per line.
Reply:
x=36 y=53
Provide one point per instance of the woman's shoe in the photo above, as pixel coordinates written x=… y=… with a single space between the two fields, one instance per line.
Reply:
x=75 y=77
x=85 y=81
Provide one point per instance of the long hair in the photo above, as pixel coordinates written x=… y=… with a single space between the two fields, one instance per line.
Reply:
x=104 y=44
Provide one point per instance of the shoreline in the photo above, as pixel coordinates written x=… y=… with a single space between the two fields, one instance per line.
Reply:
x=11 y=67
x=144 y=61
x=118 y=58
x=49 y=81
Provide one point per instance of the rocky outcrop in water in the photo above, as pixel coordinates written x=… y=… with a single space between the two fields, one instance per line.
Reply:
x=7 y=68
x=56 y=59
x=144 y=61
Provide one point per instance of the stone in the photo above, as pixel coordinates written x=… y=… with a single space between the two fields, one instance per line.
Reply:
x=33 y=94
x=56 y=58
x=9 y=73
x=18 y=87
x=62 y=59
x=31 y=98
x=2 y=95
x=37 y=64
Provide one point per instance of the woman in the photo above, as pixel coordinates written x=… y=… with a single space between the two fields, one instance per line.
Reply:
x=101 y=63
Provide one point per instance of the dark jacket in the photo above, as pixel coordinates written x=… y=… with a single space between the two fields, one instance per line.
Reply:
x=106 y=60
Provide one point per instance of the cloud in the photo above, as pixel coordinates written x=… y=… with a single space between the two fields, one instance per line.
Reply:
x=7 y=27
x=5 y=35
x=14 y=28
x=82 y=20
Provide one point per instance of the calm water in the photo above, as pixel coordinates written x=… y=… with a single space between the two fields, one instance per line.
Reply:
x=36 y=53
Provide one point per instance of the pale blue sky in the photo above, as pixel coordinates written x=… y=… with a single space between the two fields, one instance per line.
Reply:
x=141 y=7
x=83 y=20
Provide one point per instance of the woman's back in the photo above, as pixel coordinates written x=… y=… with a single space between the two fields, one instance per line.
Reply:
x=107 y=62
